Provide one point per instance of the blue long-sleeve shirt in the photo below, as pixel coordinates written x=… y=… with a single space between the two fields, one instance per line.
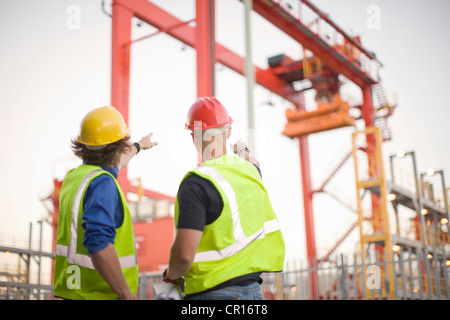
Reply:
x=103 y=212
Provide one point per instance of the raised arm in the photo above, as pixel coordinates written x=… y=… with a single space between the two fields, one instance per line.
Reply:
x=241 y=149
x=145 y=143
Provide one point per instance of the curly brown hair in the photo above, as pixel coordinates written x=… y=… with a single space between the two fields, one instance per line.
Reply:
x=109 y=155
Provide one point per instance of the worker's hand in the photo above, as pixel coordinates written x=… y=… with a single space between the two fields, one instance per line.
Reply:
x=128 y=296
x=239 y=146
x=146 y=143
x=179 y=281
x=241 y=149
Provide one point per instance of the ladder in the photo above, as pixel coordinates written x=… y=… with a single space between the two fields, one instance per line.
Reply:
x=336 y=245
x=374 y=226
x=380 y=94
x=383 y=111
x=381 y=122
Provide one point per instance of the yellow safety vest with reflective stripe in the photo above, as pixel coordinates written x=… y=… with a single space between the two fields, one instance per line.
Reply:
x=75 y=275
x=246 y=237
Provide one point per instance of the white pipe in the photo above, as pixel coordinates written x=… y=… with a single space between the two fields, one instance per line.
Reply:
x=250 y=76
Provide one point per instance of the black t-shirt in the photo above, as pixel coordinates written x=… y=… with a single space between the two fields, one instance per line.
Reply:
x=200 y=204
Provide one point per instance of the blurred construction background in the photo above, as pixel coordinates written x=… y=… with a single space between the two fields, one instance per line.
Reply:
x=343 y=103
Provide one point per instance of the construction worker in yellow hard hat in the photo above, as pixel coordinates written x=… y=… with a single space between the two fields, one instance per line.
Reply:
x=227 y=231
x=95 y=248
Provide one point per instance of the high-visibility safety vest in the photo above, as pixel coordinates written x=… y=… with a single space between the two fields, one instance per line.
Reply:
x=75 y=275
x=246 y=237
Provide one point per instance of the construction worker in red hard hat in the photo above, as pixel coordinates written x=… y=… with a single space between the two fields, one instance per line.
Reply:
x=227 y=231
x=95 y=249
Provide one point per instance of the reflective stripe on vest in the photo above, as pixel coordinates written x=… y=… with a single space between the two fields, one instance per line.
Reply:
x=70 y=252
x=241 y=239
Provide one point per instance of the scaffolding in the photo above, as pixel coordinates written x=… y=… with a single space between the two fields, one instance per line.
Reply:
x=17 y=283
x=422 y=240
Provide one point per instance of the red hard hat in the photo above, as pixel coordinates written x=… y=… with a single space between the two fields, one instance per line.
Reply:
x=210 y=112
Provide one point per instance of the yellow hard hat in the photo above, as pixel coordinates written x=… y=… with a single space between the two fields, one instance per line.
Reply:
x=102 y=126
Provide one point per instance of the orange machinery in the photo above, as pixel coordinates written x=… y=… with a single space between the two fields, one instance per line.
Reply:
x=327 y=116
x=331 y=112
x=153 y=242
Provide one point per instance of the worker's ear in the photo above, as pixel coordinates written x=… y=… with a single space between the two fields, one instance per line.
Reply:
x=228 y=132
x=197 y=142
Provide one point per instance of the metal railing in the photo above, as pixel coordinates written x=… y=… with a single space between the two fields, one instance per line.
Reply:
x=347 y=278
x=416 y=277
x=25 y=291
x=321 y=25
